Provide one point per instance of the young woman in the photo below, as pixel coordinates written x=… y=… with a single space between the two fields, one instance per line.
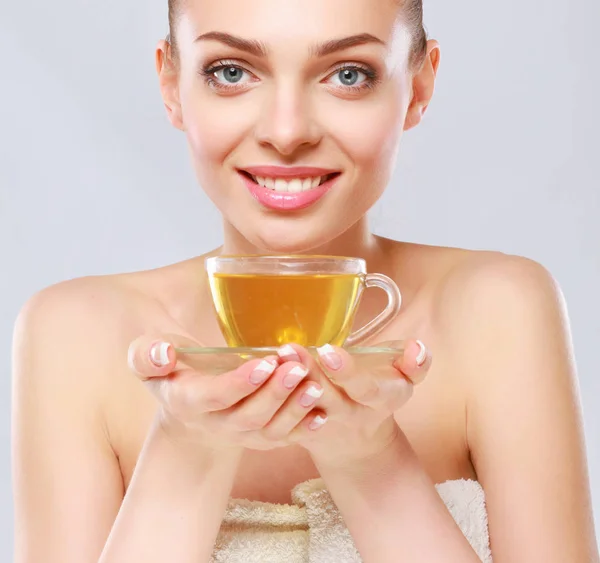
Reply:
x=293 y=112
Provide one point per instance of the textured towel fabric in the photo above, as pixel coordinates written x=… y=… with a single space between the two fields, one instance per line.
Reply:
x=311 y=529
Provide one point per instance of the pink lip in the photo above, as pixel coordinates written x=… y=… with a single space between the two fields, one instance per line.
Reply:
x=288 y=171
x=285 y=201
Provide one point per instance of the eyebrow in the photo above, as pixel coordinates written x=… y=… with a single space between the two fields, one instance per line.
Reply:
x=335 y=45
x=259 y=49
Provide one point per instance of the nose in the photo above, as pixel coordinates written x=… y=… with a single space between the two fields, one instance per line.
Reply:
x=287 y=122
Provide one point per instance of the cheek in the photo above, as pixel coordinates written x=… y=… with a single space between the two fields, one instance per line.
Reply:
x=214 y=128
x=369 y=133
x=210 y=136
x=372 y=142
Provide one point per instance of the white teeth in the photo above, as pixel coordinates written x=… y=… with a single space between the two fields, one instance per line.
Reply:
x=293 y=186
x=281 y=185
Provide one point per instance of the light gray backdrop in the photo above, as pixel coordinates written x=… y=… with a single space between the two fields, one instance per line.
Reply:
x=93 y=179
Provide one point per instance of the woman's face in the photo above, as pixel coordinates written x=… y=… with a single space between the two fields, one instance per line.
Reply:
x=266 y=90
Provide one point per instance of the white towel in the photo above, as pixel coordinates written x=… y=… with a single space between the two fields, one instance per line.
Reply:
x=311 y=530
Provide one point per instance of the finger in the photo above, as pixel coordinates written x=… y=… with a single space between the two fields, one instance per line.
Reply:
x=340 y=367
x=154 y=355
x=154 y=360
x=219 y=393
x=307 y=429
x=415 y=361
x=293 y=412
x=384 y=388
x=256 y=410
x=334 y=399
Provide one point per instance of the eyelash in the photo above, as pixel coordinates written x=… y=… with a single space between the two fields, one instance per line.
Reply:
x=372 y=77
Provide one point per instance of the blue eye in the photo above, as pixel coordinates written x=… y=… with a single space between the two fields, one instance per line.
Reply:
x=225 y=74
x=229 y=75
x=354 y=78
x=349 y=76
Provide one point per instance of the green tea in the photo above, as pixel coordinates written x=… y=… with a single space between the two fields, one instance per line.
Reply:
x=270 y=310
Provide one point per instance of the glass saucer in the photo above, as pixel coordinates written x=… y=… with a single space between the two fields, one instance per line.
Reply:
x=216 y=361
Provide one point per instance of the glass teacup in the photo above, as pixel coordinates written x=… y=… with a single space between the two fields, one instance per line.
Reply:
x=310 y=300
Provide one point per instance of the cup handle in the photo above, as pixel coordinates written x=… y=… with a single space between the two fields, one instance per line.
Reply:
x=385 y=317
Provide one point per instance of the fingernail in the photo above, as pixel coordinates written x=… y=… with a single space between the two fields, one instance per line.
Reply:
x=422 y=354
x=261 y=372
x=288 y=353
x=294 y=376
x=330 y=357
x=317 y=422
x=311 y=395
x=159 y=354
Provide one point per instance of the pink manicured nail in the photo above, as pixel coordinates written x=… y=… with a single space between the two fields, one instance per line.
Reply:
x=330 y=357
x=261 y=372
x=422 y=354
x=311 y=395
x=294 y=376
x=288 y=353
x=159 y=354
x=317 y=422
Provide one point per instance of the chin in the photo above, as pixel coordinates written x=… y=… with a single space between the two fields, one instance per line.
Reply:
x=291 y=245
x=288 y=238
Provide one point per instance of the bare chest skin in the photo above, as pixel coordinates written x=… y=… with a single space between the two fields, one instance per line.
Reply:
x=433 y=420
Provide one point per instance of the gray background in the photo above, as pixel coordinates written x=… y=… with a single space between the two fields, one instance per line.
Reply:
x=94 y=180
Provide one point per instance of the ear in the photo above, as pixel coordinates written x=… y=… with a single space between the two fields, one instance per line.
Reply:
x=168 y=77
x=423 y=83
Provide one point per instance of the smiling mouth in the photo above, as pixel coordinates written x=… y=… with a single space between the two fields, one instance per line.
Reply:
x=289 y=185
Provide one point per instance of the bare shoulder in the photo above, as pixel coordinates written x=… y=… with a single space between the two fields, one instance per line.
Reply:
x=501 y=276
x=92 y=304
x=458 y=286
x=62 y=303
x=84 y=324
x=78 y=310
x=489 y=300
x=60 y=340
x=486 y=309
x=454 y=273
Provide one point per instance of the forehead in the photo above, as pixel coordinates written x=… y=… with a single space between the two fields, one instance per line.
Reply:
x=292 y=22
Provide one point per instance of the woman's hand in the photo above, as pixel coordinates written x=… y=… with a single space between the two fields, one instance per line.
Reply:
x=255 y=406
x=358 y=405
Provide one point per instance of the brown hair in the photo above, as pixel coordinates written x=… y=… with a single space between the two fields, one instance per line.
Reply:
x=413 y=16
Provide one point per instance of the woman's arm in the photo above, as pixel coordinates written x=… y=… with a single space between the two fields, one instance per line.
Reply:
x=174 y=506
x=393 y=510
x=68 y=488
x=524 y=426
x=66 y=479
